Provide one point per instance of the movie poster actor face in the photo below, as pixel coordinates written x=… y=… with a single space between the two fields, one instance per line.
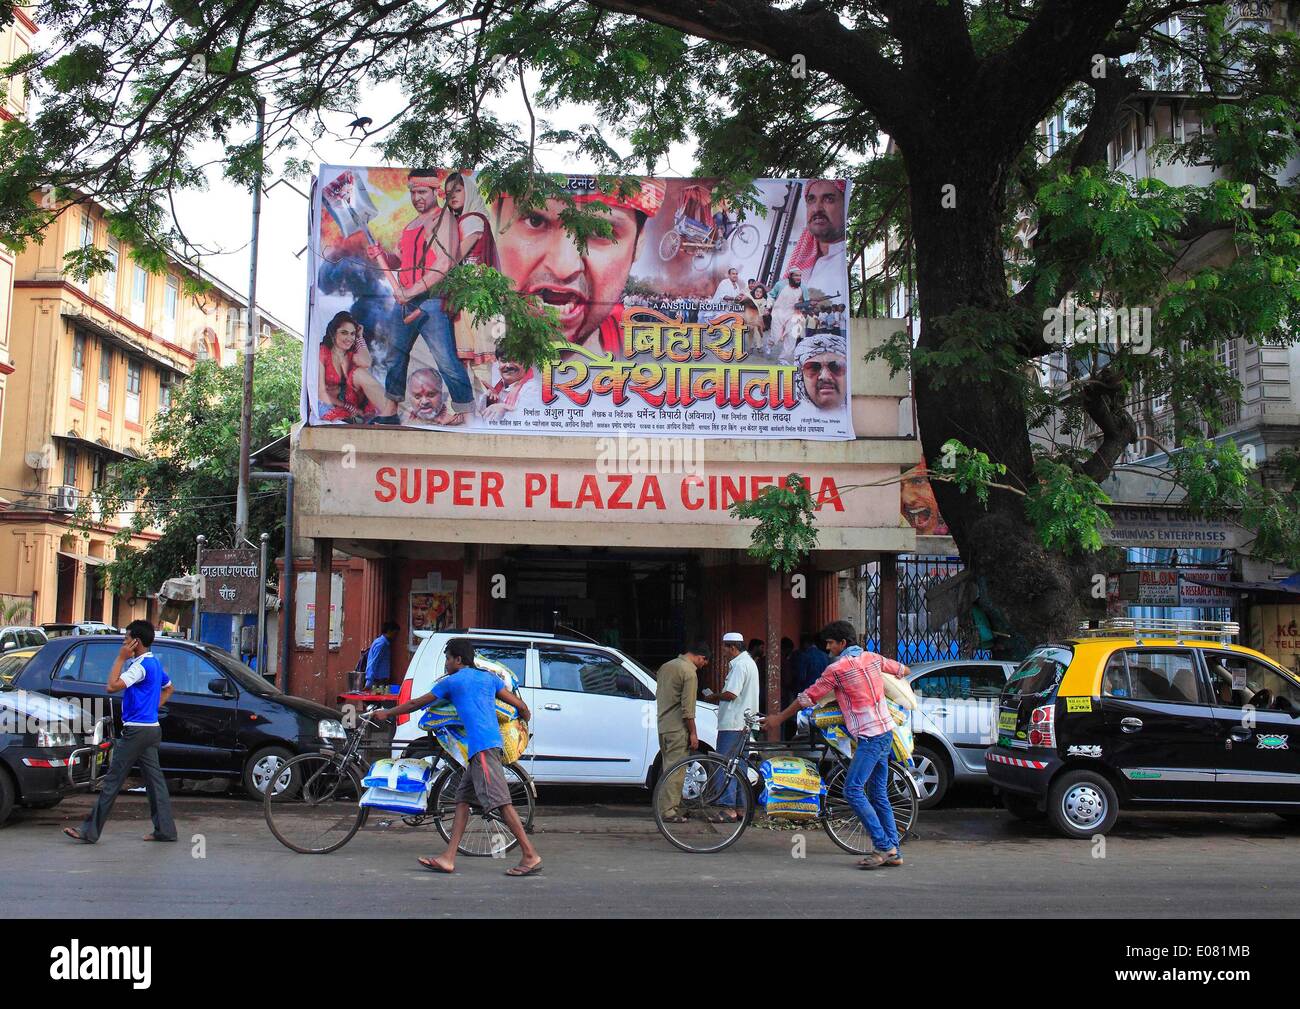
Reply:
x=535 y=251
x=823 y=370
x=918 y=504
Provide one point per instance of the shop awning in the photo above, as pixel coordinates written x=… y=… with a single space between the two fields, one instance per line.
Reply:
x=84 y=558
x=122 y=341
x=78 y=441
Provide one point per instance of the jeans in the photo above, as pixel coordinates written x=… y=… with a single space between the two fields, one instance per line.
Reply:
x=434 y=326
x=137 y=745
x=729 y=742
x=865 y=789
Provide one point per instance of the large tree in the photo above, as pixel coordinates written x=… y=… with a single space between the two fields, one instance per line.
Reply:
x=134 y=93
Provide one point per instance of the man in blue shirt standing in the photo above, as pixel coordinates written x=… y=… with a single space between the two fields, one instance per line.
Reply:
x=380 y=657
x=474 y=691
x=144 y=688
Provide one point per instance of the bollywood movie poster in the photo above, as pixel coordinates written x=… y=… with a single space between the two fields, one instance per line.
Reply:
x=695 y=318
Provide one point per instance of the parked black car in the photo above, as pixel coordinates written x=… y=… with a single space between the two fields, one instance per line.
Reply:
x=223 y=720
x=46 y=750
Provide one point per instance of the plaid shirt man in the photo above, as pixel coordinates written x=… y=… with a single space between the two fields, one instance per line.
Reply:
x=856 y=679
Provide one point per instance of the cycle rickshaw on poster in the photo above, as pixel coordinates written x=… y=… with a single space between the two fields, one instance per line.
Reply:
x=703 y=228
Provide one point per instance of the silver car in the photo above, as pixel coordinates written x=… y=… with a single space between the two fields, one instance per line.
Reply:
x=955 y=721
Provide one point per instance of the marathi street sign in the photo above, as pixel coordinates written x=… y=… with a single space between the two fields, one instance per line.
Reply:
x=230 y=580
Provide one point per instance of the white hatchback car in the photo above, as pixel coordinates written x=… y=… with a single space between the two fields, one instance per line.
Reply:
x=594 y=720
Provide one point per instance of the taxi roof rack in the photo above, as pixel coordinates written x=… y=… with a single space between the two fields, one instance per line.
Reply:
x=1161 y=627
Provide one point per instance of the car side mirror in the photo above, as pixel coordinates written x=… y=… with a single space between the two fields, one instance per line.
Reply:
x=219 y=686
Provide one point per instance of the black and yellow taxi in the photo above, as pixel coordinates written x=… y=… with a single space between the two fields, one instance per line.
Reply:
x=1150 y=714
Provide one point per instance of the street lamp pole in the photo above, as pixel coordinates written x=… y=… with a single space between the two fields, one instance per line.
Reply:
x=250 y=342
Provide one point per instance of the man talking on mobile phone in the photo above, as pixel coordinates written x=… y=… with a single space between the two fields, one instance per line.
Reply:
x=139 y=677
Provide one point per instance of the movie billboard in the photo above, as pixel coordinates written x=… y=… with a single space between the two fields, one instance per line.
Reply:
x=695 y=318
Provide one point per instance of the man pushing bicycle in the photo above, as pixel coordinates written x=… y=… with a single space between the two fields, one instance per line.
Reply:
x=474 y=691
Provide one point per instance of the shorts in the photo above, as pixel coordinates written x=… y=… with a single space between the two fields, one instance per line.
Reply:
x=484 y=781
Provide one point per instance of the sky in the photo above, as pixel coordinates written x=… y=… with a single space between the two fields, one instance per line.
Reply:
x=220 y=218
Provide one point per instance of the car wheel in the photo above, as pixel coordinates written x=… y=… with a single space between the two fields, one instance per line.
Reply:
x=262 y=767
x=1022 y=807
x=931 y=774
x=8 y=793
x=1082 y=804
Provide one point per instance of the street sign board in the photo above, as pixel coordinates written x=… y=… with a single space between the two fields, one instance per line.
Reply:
x=231 y=580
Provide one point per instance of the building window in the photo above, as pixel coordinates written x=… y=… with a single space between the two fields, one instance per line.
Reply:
x=139 y=292
x=164 y=390
x=1227 y=356
x=78 y=365
x=110 y=275
x=105 y=377
x=70 y=466
x=98 y=472
x=87 y=240
x=234 y=327
x=133 y=391
x=171 y=302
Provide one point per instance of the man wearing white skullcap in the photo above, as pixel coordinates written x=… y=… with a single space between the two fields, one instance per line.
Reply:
x=739 y=694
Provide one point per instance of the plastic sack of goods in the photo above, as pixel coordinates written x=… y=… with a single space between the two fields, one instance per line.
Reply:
x=400 y=786
x=792 y=788
x=444 y=722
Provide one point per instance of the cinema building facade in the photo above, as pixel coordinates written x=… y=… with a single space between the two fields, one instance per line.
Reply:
x=626 y=540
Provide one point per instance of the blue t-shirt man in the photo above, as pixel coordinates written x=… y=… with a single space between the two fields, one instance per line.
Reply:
x=144 y=678
x=473 y=691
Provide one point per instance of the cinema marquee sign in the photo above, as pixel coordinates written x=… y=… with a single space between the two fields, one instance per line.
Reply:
x=571 y=491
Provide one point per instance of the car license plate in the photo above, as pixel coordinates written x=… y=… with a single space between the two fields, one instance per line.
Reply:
x=1006 y=721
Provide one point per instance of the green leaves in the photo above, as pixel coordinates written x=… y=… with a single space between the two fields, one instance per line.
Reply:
x=785 y=532
x=1066 y=508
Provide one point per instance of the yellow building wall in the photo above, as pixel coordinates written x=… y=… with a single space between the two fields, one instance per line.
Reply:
x=49 y=308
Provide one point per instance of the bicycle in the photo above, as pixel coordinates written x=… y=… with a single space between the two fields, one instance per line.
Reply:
x=707 y=778
x=313 y=805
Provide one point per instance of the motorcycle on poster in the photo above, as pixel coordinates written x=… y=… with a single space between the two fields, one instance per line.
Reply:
x=694 y=319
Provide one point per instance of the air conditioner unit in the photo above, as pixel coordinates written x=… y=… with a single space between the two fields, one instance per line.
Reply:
x=65 y=498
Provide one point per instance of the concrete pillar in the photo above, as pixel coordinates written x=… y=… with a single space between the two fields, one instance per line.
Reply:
x=324 y=564
x=773 y=635
x=889 y=606
x=825 y=598
x=469 y=590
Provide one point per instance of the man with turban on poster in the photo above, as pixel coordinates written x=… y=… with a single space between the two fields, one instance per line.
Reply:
x=586 y=288
x=823 y=364
x=819 y=250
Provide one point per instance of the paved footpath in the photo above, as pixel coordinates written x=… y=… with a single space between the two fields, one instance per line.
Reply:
x=608 y=860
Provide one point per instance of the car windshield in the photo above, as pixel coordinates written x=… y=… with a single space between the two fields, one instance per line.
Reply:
x=1039 y=673
x=241 y=674
x=11 y=666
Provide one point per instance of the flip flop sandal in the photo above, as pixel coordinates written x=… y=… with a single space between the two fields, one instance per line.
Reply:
x=675 y=819
x=75 y=834
x=433 y=866
x=872 y=861
x=516 y=871
x=892 y=861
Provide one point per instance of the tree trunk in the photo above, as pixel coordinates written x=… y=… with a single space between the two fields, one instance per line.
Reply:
x=960 y=263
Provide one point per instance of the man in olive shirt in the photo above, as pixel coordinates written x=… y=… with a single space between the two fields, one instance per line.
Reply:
x=676 y=684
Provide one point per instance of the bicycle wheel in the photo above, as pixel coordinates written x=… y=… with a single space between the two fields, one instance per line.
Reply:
x=669 y=246
x=843 y=825
x=696 y=787
x=486 y=835
x=744 y=241
x=322 y=815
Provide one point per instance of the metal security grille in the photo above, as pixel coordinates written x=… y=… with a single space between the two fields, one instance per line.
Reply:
x=919 y=640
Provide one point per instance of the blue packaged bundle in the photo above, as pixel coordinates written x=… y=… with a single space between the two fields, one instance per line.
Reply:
x=399 y=786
